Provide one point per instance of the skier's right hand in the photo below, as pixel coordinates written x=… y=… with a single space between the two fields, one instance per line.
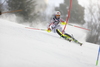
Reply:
x=48 y=30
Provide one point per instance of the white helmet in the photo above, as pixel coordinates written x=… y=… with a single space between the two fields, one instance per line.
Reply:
x=57 y=13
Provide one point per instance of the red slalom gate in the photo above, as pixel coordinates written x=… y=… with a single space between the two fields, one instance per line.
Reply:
x=68 y=16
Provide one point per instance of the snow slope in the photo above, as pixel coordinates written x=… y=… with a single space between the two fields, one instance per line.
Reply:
x=21 y=47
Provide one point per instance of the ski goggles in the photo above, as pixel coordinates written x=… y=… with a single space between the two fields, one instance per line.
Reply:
x=57 y=15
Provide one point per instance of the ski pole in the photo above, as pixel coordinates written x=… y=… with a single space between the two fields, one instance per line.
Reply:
x=98 y=56
x=11 y=11
x=36 y=28
x=79 y=27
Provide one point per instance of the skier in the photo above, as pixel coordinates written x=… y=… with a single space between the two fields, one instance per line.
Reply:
x=55 y=25
x=56 y=28
x=55 y=22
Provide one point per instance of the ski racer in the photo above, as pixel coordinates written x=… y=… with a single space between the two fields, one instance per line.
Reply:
x=55 y=26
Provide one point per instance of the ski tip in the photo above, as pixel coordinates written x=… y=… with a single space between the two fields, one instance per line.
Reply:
x=69 y=40
x=81 y=44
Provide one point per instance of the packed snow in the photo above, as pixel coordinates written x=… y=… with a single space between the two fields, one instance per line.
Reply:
x=22 y=47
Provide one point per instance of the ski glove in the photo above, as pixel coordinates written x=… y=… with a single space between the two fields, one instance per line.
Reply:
x=48 y=30
x=63 y=23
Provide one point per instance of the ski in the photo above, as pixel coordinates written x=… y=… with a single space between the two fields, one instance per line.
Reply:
x=68 y=37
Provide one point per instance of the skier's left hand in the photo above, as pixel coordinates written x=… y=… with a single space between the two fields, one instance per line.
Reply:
x=63 y=23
